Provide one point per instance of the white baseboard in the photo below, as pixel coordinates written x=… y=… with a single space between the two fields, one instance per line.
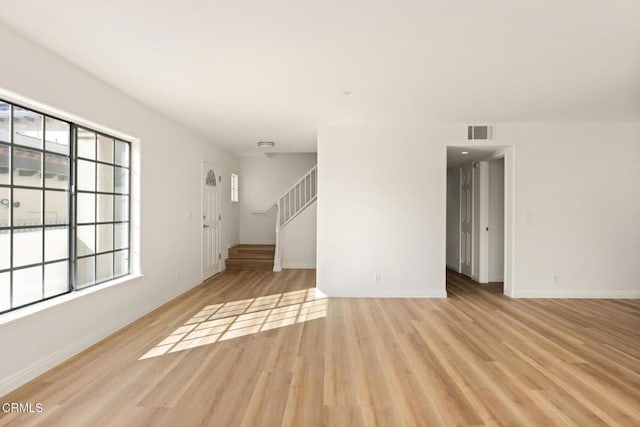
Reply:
x=383 y=293
x=298 y=265
x=320 y=295
x=581 y=294
x=26 y=374
x=46 y=363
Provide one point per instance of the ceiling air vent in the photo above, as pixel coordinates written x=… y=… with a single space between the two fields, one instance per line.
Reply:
x=480 y=133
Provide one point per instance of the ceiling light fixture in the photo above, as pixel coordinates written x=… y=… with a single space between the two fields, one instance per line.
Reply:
x=465 y=152
x=266 y=144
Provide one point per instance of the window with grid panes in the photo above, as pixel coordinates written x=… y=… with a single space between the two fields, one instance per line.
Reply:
x=56 y=237
x=102 y=208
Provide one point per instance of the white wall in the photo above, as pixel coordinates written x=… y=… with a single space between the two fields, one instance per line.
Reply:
x=169 y=237
x=496 y=220
x=381 y=209
x=262 y=181
x=453 y=218
x=298 y=240
x=575 y=209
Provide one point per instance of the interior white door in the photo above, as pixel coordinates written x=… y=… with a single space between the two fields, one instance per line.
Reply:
x=210 y=222
x=466 y=220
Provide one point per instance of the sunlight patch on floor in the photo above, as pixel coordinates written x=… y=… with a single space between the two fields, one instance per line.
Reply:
x=224 y=321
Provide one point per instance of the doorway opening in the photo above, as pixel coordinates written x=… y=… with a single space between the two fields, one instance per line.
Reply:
x=479 y=214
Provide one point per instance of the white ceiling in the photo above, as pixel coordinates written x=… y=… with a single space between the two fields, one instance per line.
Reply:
x=474 y=154
x=239 y=71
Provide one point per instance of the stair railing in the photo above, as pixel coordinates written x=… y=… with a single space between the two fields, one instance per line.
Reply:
x=291 y=203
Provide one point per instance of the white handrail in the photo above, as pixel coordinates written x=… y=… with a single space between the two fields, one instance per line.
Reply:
x=291 y=203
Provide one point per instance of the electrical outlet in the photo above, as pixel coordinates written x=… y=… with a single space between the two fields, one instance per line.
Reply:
x=556 y=279
x=378 y=278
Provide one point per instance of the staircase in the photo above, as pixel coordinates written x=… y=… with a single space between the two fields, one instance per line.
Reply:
x=291 y=203
x=251 y=257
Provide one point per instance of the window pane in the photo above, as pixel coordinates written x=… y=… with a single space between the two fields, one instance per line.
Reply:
x=56 y=243
x=105 y=178
x=105 y=267
x=121 y=236
x=86 y=240
x=86 y=175
x=27 y=167
x=234 y=187
x=5 y=206
x=27 y=128
x=5 y=242
x=105 y=237
x=121 y=260
x=122 y=180
x=27 y=207
x=86 y=144
x=56 y=207
x=5 y=292
x=5 y=123
x=27 y=247
x=85 y=272
x=122 y=153
x=105 y=149
x=122 y=208
x=27 y=285
x=5 y=151
x=56 y=279
x=56 y=171
x=105 y=208
x=56 y=136
x=86 y=207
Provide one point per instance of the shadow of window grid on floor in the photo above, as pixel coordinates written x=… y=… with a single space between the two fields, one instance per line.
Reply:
x=224 y=321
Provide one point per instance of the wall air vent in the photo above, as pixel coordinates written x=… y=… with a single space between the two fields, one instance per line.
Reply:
x=480 y=133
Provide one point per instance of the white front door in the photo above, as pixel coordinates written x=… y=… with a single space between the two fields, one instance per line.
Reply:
x=466 y=220
x=210 y=222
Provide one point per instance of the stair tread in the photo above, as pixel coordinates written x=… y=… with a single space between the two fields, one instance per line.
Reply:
x=250 y=263
x=252 y=252
x=259 y=258
x=254 y=247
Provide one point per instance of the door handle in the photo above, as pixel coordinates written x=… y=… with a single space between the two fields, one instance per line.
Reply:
x=205 y=226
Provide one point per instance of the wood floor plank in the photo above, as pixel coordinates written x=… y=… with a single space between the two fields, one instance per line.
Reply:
x=260 y=348
x=306 y=390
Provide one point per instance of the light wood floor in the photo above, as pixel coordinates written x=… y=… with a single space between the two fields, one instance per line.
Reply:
x=476 y=358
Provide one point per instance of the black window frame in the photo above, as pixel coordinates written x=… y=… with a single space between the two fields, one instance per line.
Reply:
x=72 y=217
